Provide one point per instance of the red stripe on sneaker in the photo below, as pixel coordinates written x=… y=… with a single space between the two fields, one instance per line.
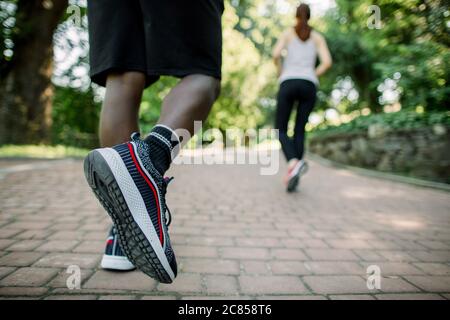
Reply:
x=133 y=156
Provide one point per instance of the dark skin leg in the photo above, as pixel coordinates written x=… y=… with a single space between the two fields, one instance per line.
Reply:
x=120 y=111
x=190 y=100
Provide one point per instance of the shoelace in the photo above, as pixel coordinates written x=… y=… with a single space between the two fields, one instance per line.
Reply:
x=167 y=213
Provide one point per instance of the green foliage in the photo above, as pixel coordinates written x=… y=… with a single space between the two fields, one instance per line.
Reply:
x=41 y=151
x=75 y=117
x=413 y=41
x=246 y=75
x=403 y=120
x=425 y=74
x=261 y=21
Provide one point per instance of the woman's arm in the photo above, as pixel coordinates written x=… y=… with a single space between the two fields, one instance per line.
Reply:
x=323 y=52
x=278 y=50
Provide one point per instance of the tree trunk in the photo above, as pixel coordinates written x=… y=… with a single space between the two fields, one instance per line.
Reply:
x=26 y=90
x=363 y=77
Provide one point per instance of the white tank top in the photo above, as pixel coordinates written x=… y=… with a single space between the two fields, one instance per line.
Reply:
x=300 y=61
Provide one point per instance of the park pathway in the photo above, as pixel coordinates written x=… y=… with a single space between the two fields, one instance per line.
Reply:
x=236 y=234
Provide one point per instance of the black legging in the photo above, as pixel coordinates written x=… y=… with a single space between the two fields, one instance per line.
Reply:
x=291 y=91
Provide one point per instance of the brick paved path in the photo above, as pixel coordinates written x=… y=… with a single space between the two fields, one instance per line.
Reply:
x=236 y=234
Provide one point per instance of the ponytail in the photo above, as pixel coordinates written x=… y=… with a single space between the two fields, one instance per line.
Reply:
x=302 y=28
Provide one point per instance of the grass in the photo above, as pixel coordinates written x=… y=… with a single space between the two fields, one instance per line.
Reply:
x=41 y=151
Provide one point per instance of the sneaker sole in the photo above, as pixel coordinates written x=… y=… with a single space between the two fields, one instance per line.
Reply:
x=121 y=199
x=295 y=180
x=116 y=263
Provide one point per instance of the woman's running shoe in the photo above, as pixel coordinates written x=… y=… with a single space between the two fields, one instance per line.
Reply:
x=294 y=174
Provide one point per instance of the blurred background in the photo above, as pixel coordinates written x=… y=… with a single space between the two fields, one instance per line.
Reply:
x=384 y=105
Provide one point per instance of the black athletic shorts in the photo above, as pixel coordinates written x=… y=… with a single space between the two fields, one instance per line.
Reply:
x=156 y=37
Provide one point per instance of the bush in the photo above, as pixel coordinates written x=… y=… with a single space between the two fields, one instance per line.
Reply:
x=75 y=118
x=402 y=120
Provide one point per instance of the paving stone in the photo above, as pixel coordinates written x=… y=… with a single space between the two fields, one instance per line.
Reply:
x=161 y=297
x=431 y=283
x=288 y=254
x=71 y=297
x=221 y=284
x=134 y=280
x=331 y=254
x=23 y=291
x=117 y=297
x=431 y=256
x=29 y=277
x=408 y=296
x=397 y=256
x=271 y=285
x=335 y=268
x=245 y=253
x=336 y=284
x=5 y=271
x=90 y=246
x=196 y=251
x=25 y=245
x=186 y=282
x=254 y=267
x=349 y=243
x=435 y=269
x=58 y=246
x=61 y=260
x=293 y=297
x=5 y=243
x=289 y=267
x=396 y=284
x=215 y=266
x=7 y=233
x=20 y=259
x=351 y=297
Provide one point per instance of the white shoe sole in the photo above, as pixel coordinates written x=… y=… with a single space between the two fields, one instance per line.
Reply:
x=116 y=263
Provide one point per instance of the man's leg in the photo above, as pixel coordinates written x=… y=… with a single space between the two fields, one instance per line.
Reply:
x=118 y=120
x=190 y=100
x=120 y=111
x=128 y=179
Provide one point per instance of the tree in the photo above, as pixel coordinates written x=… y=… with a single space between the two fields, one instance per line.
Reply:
x=412 y=44
x=26 y=90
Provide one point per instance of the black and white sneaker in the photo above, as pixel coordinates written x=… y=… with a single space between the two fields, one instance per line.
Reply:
x=133 y=193
x=114 y=258
x=293 y=176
